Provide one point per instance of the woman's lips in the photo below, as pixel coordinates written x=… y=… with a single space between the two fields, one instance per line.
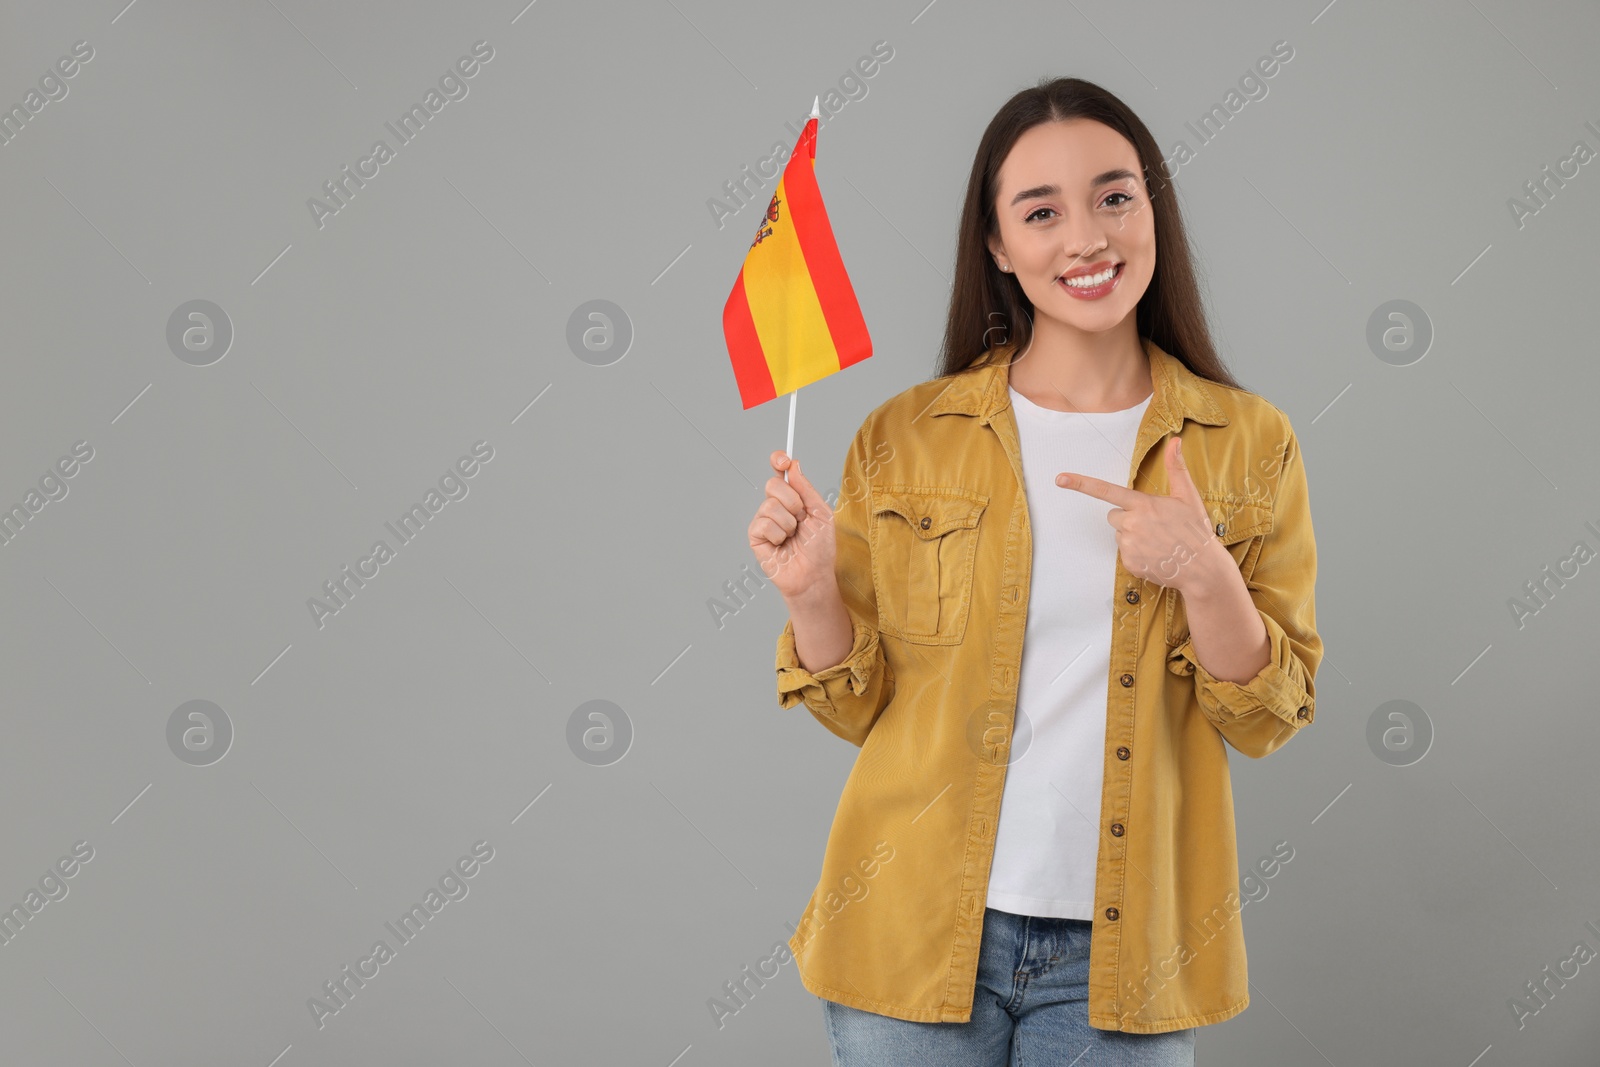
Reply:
x=1098 y=291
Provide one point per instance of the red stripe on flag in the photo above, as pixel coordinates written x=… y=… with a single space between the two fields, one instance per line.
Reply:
x=750 y=368
x=834 y=292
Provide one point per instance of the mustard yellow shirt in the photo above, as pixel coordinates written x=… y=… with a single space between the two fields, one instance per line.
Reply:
x=934 y=556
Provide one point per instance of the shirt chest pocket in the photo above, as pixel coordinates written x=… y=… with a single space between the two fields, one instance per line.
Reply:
x=924 y=549
x=1243 y=527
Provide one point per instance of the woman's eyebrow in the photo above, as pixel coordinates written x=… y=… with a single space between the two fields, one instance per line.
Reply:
x=1114 y=175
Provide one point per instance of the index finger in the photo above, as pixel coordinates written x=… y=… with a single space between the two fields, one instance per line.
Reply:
x=1119 y=495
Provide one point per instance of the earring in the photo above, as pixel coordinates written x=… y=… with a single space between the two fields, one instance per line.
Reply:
x=1005 y=268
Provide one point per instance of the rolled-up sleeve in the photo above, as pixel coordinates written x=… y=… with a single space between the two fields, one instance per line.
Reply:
x=1259 y=715
x=831 y=692
x=847 y=697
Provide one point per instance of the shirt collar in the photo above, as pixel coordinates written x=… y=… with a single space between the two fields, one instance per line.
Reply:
x=1179 y=393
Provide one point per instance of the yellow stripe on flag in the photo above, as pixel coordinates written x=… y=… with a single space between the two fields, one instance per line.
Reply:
x=784 y=306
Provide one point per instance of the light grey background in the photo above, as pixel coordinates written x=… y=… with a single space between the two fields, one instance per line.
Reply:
x=431 y=312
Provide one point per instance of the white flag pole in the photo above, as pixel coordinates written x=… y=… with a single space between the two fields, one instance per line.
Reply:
x=816 y=113
x=790 y=448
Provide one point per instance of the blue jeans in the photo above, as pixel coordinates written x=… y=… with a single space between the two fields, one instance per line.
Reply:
x=1030 y=1009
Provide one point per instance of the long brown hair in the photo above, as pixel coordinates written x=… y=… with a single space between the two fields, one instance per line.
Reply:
x=989 y=308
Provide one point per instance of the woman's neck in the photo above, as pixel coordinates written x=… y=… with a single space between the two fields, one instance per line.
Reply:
x=1094 y=373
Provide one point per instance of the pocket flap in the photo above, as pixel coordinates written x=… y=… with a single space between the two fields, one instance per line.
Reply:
x=931 y=512
x=1239 y=520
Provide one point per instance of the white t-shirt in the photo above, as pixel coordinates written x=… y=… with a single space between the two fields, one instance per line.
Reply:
x=1049 y=834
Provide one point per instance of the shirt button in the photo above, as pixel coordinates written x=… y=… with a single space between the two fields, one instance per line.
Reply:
x=1127 y=679
x=1112 y=914
x=1116 y=829
x=1122 y=752
x=1303 y=714
x=1131 y=596
x=927 y=522
x=1220 y=528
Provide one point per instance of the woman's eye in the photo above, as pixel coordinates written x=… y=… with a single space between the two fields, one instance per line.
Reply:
x=1029 y=216
x=1126 y=199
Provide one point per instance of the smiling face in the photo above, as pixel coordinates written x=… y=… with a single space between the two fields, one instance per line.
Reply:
x=1072 y=202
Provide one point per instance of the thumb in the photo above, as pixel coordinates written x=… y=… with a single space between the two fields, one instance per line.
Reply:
x=1179 y=484
x=808 y=492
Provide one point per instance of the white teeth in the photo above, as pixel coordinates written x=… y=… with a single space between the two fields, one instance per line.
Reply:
x=1089 y=281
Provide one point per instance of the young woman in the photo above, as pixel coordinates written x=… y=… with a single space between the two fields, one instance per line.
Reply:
x=1061 y=577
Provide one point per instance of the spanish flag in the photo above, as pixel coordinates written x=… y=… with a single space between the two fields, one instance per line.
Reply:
x=792 y=317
